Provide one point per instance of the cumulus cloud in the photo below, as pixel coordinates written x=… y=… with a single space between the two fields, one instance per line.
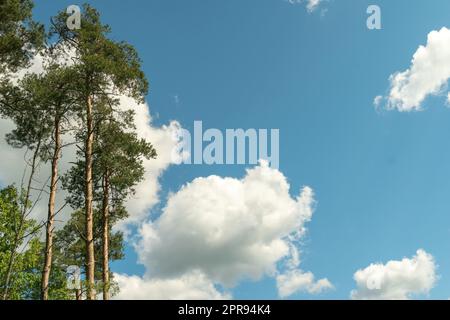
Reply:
x=396 y=280
x=428 y=74
x=192 y=286
x=296 y=280
x=227 y=229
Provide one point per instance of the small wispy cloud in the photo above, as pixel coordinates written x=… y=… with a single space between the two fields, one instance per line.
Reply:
x=311 y=5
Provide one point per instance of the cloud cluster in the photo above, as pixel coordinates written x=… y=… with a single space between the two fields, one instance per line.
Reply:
x=396 y=280
x=428 y=74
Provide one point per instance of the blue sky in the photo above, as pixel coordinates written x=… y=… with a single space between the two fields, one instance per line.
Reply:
x=381 y=178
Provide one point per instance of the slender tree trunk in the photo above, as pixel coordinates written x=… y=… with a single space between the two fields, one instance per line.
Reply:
x=105 y=240
x=12 y=256
x=51 y=212
x=78 y=296
x=90 y=259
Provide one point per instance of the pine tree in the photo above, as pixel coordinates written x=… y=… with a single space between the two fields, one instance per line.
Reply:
x=105 y=69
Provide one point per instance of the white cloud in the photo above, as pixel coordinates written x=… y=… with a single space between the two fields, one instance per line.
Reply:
x=396 y=280
x=192 y=286
x=448 y=98
x=228 y=229
x=377 y=100
x=428 y=74
x=311 y=5
x=296 y=280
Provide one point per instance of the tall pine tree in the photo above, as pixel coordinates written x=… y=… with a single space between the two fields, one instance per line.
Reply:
x=104 y=70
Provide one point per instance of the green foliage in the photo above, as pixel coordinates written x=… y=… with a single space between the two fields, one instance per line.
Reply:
x=20 y=36
x=120 y=153
x=10 y=218
x=26 y=275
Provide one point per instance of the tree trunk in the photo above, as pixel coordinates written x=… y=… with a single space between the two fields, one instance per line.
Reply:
x=78 y=295
x=51 y=212
x=79 y=292
x=12 y=256
x=90 y=259
x=105 y=240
